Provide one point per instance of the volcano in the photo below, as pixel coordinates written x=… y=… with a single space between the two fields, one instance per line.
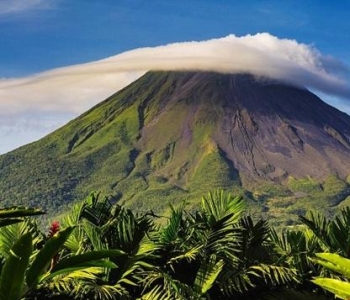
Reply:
x=171 y=136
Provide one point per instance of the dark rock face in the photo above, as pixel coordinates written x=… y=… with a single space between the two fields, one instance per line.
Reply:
x=266 y=128
x=281 y=129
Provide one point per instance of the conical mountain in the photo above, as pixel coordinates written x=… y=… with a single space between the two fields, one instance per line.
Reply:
x=175 y=135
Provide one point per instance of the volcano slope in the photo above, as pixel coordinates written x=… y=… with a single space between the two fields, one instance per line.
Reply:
x=171 y=136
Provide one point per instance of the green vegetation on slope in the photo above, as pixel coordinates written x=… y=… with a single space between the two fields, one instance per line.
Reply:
x=116 y=148
x=302 y=195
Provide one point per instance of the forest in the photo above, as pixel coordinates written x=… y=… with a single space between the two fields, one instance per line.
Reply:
x=101 y=250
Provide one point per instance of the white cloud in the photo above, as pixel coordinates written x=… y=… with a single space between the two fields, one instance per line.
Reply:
x=74 y=89
x=14 y=6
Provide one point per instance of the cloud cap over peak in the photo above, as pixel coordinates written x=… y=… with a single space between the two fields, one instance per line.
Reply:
x=261 y=54
x=76 y=88
x=63 y=93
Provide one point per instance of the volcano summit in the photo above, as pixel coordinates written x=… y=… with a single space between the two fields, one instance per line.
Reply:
x=171 y=136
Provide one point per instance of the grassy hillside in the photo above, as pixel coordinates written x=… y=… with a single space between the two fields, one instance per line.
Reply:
x=102 y=150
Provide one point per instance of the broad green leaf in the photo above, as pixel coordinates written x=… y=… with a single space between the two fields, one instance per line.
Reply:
x=86 y=258
x=91 y=264
x=17 y=212
x=9 y=221
x=44 y=256
x=339 y=288
x=334 y=262
x=13 y=272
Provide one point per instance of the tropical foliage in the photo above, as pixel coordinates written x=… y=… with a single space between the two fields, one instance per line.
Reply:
x=341 y=265
x=106 y=251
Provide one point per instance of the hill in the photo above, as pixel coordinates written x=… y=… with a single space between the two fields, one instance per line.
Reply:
x=171 y=136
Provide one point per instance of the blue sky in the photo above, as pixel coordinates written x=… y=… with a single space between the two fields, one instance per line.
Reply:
x=40 y=35
x=64 y=32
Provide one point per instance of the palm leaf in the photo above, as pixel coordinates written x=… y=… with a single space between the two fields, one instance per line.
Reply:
x=102 y=264
x=292 y=248
x=95 y=210
x=93 y=234
x=81 y=283
x=190 y=255
x=105 y=291
x=85 y=258
x=221 y=204
x=157 y=293
x=44 y=256
x=163 y=286
x=233 y=281
x=9 y=221
x=339 y=232
x=319 y=225
x=273 y=275
x=77 y=240
x=13 y=273
x=340 y=289
x=170 y=232
x=207 y=275
x=334 y=262
x=84 y=261
x=10 y=234
x=19 y=211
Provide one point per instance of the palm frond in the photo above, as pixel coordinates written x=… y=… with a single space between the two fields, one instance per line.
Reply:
x=157 y=293
x=207 y=275
x=67 y=282
x=9 y=235
x=161 y=285
x=255 y=245
x=339 y=232
x=9 y=221
x=221 y=204
x=242 y=281
x=93 y=236
x=190 y=255
x=95 y=210
x=170 y=232
x=76 y=241
x=73 y=218
x=225 y=242
x=19 y=212
x=319 y=225
x=85 y=282
x=146 y=247
x=341 y=289
x=293 y=248
x=235 y=281
x=334 y=262
x=273 y=275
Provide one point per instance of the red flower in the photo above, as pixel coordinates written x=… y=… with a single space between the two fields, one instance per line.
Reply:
x=55 y=227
